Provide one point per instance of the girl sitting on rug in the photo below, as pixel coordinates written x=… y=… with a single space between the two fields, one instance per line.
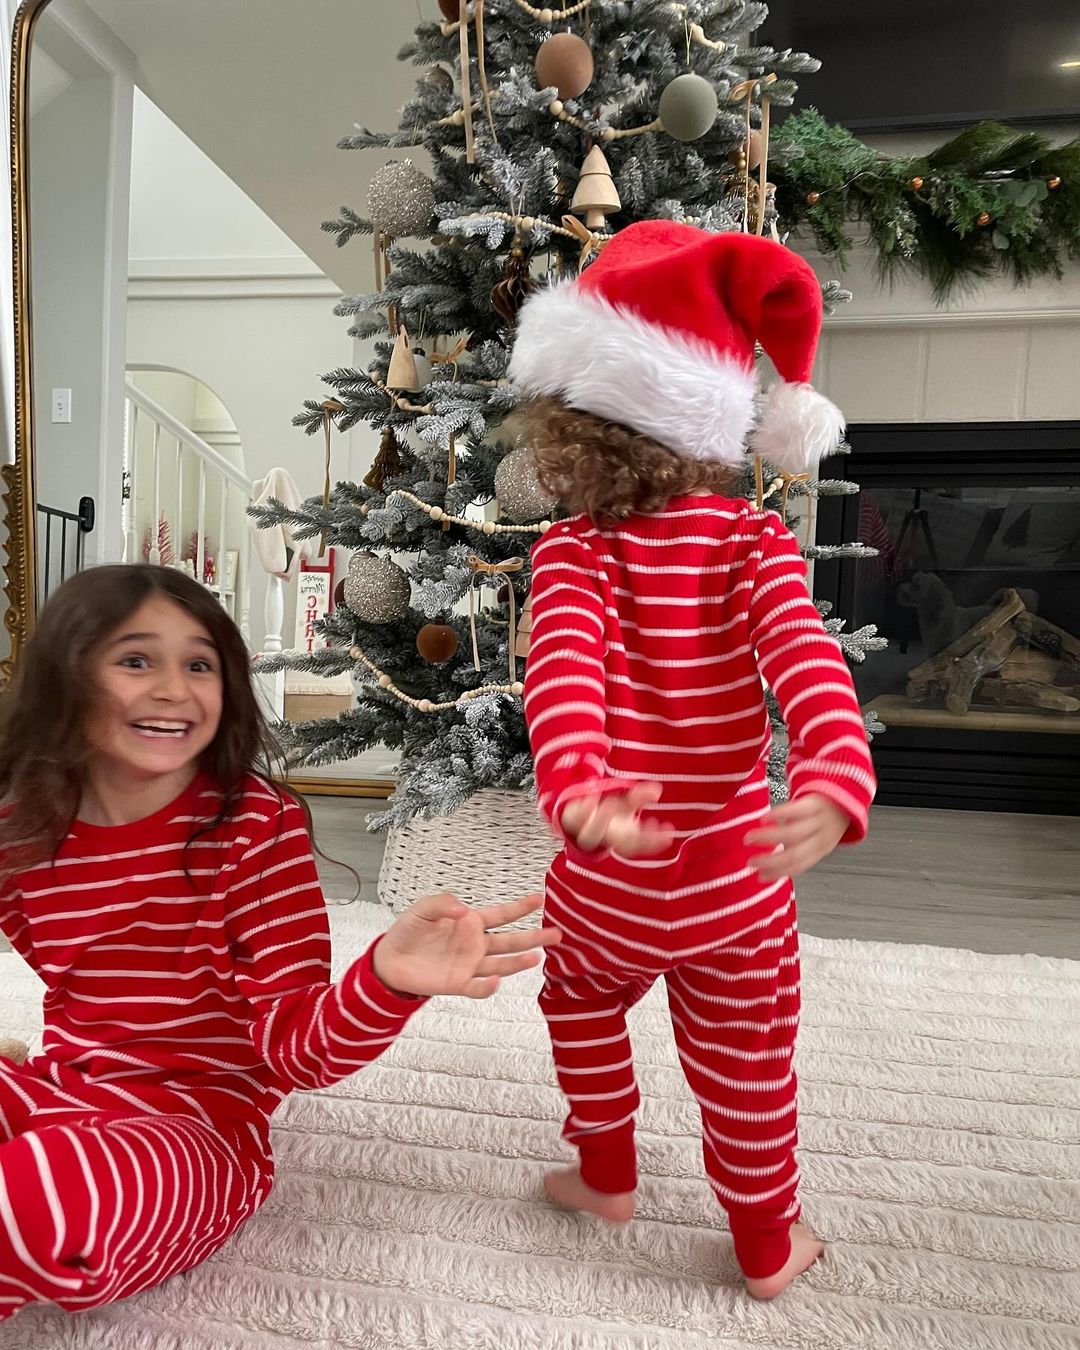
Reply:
x=165 y=891
x=659 y=613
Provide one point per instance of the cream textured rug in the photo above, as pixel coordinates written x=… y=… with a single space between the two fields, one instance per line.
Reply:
x=941 y=1124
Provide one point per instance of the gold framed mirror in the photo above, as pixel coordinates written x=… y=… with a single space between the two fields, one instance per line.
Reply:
x=19 y=478
x=297 y=93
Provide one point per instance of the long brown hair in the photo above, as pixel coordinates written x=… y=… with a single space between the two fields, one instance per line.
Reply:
x=606 y=470
x=43 y=716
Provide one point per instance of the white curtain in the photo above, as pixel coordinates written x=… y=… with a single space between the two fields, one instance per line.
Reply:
x=7 y=315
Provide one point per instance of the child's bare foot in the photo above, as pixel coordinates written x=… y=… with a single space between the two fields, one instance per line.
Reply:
x=805 y=1250
x=16 y=1051
x=566 y=1187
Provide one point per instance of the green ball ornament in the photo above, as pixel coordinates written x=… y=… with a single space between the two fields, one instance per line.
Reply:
x=688 y=107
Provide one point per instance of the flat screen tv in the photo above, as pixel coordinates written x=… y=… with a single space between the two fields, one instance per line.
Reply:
x=904 y=65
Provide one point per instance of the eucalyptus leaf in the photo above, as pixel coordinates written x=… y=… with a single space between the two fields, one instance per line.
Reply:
x=1000 y=239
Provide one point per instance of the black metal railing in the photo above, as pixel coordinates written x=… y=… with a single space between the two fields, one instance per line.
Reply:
x=56 y=562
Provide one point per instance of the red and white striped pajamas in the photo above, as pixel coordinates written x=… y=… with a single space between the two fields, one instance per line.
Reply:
x=651 y=644
x=187 y=992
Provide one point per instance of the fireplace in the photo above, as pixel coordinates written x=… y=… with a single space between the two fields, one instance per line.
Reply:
x=977 y=588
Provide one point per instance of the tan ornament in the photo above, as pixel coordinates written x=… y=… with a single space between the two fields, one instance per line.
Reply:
x=402 y=373
x=565 y=63
x=596 y=196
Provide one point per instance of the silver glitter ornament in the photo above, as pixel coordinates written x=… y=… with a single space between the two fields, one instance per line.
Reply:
x=438 y=77
x=401 y=200
x=376 y=589
x=518 y=489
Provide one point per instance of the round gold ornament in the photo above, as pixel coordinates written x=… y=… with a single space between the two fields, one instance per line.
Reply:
x=401 y=200
x=376 y=589
x=518 y=489
x=812 y=198
x=983 y=218
x=688 y=107
x=916 y=184
x=437 y=643
x=565 y=62
x=1053 y=183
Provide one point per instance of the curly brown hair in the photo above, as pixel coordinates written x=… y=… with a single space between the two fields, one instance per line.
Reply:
x=606 y=470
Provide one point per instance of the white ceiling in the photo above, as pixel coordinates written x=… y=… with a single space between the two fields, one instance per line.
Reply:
x=266 y=88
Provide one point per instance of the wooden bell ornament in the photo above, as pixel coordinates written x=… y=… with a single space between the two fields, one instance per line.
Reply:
x=402 y=373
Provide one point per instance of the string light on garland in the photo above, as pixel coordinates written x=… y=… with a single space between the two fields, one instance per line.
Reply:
x=1053 y=183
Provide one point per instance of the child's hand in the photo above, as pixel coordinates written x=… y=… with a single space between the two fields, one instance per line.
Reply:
x=614 y=821
x=441 y=946
x=797 y=835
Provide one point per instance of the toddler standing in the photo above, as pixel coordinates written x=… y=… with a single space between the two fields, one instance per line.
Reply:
x=659 y=613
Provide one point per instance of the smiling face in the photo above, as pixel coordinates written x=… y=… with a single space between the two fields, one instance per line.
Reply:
x=158 y=677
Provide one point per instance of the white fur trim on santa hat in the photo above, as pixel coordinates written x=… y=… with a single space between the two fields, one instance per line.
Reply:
x=798 y=427
x=610 y=362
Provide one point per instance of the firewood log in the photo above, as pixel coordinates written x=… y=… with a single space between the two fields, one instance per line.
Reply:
x=963 y=675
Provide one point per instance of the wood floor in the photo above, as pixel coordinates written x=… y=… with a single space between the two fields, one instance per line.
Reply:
x=989 y=882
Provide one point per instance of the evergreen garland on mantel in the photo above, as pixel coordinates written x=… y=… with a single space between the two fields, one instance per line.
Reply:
x=991 y=198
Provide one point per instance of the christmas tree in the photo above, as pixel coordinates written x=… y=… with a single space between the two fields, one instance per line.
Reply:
x=548 y=130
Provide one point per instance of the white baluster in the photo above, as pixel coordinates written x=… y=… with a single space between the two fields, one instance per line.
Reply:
x=125 y=505
x=132 y=547
x=243 y=584
x=219 y=570
x=200 y=525
x=178 y=527
x=274 y=614
x=155 y=546
x=271 y=687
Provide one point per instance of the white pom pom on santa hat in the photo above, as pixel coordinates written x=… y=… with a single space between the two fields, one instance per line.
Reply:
x=659 y=335
x=797 y=427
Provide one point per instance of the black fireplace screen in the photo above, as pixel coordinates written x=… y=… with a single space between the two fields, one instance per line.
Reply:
x=976 y=586
x=978 y=591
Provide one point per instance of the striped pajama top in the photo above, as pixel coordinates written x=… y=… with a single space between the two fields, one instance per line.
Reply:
x=653 y=641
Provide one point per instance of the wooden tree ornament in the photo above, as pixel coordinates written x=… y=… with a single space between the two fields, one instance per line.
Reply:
x=596 y=196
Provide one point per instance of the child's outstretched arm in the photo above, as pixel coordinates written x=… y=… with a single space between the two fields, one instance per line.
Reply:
x=830 y=771
x=313 y=1033
x=566 y=710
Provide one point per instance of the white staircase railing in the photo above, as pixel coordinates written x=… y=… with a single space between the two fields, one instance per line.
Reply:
x=171 y=473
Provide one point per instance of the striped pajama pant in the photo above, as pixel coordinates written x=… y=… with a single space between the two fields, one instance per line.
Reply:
x=98 y=1204
x=730 y=961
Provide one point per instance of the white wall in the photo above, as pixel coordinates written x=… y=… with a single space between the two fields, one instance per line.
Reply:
x=994 y=354
x=217 y=291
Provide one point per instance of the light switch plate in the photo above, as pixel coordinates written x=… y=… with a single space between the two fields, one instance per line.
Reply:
x=61 y=405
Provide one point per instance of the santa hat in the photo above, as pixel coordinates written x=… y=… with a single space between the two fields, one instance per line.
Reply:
x=659 y=333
